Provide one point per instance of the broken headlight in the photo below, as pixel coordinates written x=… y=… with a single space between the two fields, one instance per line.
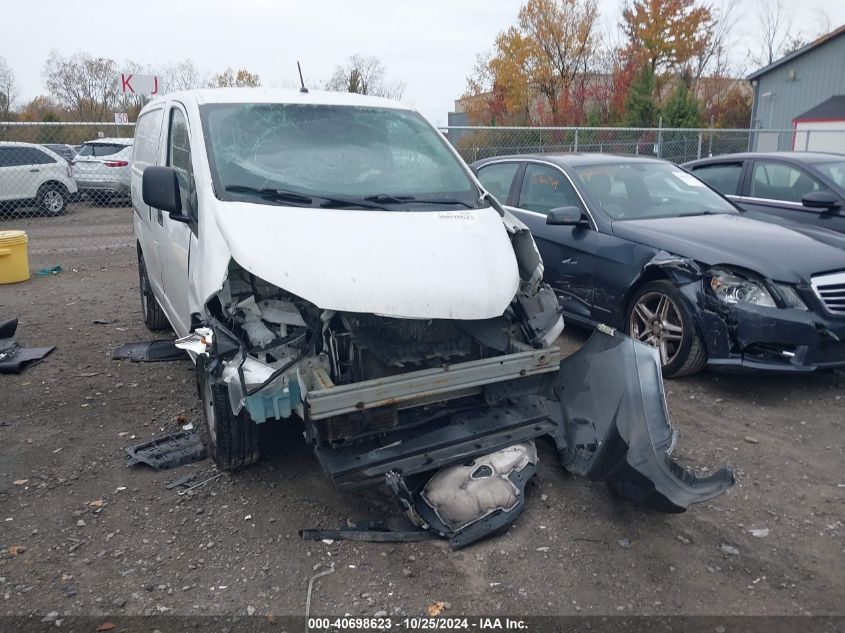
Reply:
x=732 y=288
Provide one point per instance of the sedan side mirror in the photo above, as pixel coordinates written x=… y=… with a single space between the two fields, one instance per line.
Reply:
x=565 y=216
x=160 y=189
x=821 y=200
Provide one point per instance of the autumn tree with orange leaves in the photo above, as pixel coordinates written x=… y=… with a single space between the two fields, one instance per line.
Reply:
x=668 y=35
x=546 y=53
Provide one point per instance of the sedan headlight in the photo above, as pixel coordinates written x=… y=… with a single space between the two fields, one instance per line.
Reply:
x=731 y=288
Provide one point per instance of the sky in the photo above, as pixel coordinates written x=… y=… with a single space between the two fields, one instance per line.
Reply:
x=431 y=45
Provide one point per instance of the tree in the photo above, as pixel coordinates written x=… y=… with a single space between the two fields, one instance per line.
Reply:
x=86 y=86
x=182 y=75
x=640 y=107
x=41 y=108
x=563 y=36
x=547 y=53
x=667 y=33
x=8 y=90
x=242 y=79
x=682 y=109
x=734 y=111
x=775 y=25
x=365 y=75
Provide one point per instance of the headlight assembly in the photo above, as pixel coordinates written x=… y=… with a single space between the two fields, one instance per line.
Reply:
x=732 y=288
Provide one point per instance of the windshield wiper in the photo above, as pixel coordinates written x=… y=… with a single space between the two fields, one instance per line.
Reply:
x=385 y=198
x=272 y=194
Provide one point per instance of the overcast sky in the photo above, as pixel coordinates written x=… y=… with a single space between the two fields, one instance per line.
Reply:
x=429 y=44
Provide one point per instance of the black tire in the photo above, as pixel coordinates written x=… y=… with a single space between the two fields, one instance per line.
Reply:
x=154 y=317
x=52 y=199
x=231 y=440
x=681 y=353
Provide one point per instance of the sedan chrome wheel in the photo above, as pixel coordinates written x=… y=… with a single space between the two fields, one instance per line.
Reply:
x=656 y=321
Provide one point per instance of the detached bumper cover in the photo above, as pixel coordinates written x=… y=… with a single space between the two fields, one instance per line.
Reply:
x=616 y=426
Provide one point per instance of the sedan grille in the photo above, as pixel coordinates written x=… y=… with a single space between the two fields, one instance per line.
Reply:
x=831 y=290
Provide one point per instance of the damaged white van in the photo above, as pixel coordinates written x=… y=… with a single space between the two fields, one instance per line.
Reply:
x=330 y=261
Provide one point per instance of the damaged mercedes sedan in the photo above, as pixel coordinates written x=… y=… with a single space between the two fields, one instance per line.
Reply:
x=328 y=260
x=640 y=244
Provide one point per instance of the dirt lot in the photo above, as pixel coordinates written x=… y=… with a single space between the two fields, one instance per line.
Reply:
x=234 y=545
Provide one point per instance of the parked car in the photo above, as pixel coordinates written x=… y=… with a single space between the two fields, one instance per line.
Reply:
x=101 y=168
x=329 y=258
x=65 y=151
x=32 y=175
x=641 y=245
x=803 y=187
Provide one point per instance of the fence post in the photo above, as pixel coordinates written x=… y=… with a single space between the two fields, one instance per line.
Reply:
x=700 y=138
x=539 y=141
x=576 y=139
x=659 y=136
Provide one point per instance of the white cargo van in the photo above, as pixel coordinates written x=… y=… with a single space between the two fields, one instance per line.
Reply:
x=329 y=260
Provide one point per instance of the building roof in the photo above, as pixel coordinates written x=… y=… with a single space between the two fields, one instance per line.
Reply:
x=824 y=39
x=831 y=110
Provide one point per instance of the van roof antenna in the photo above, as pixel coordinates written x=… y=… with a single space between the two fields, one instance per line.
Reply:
x=301 y=81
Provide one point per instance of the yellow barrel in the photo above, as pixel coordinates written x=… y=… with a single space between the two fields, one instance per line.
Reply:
x=14 y=260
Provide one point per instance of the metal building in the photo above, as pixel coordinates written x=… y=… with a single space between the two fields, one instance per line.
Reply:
x=795 y=84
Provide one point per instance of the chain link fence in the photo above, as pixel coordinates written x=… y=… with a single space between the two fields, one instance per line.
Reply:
x=66 y=184
x=676 y=145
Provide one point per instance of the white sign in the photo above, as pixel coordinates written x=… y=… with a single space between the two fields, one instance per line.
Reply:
x=121 y=118
x=139 y=84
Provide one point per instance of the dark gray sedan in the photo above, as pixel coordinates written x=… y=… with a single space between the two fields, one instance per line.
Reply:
x=641 y=245
x=803 y=187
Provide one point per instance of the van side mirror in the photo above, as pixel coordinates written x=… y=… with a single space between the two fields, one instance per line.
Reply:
x=564 y=216
x=821 y=200
x=160 y=189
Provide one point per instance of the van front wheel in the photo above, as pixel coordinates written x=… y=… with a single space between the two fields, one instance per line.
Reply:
x=232 y=440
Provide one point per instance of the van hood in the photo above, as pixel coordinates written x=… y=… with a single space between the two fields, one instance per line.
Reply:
x=416 y=265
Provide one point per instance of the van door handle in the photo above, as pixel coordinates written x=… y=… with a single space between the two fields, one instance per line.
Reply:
x=34 y=170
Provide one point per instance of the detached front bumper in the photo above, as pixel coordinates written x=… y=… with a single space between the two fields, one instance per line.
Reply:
x=605 y=410
x=755 y=338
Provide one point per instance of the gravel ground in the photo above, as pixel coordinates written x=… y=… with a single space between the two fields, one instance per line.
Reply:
x=82 y=534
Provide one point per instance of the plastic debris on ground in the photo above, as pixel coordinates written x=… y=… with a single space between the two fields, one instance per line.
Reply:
x=177 y=449
x=46 y=272
x=14 y=358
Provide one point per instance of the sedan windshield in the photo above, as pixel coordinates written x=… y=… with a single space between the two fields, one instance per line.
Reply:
x=639 y=190
x=333 y=156
x=835 y=171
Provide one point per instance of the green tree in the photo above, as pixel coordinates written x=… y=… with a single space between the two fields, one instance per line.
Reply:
x=682 y=108
x=640 y=107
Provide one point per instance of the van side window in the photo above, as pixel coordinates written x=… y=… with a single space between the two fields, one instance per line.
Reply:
x=145 y=148
x=179 y=157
